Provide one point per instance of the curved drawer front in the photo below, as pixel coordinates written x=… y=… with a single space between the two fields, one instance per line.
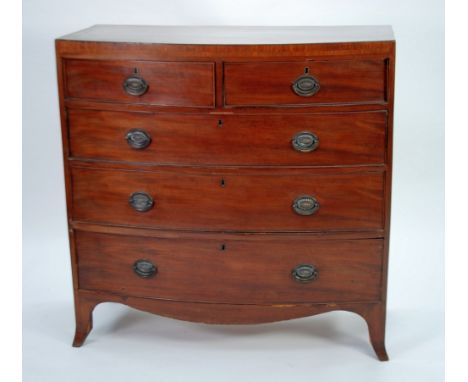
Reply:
x=307 y=82
x=247 y=270
x=259 y=201
x=146 y=82
x=342 y=138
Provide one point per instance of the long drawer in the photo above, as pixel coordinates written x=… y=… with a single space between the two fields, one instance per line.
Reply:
x=146 y=82
x=289 y=139
x=235 y=201
x=305 y=82
x=297 y=269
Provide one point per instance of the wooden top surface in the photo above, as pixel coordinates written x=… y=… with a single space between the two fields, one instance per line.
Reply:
x=232 y=35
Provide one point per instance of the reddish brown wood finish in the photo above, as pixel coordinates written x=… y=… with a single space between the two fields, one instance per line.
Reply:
x=248 y=87
x=192 y=139
x=222 y=236
x=209 y=313
x=345 y=81
x=169 y=83
x=235 y=202
x=237 y=271
x=84 y=306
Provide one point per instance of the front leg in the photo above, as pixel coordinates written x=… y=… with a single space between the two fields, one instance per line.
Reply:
x=84 y=306
x=375 y=318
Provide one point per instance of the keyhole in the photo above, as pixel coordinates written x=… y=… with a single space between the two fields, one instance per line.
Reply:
x=222 y=247
x=306 y=70
x=135 y=70
x=222 y=182
x=220 y=123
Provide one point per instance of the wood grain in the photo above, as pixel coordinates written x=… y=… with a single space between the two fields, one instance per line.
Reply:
x=255 y=203
x=210 y=313
x=243 y=272
x=188 y=139
x=269 y=83
x=248 y=88
x=212 y=52
x=169 y=83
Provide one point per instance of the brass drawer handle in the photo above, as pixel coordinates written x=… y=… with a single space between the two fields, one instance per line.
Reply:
x=145 y=269
x=305 y=205
x=138 y=139
x=306 y=85
x=141 y=201
x=305 y=273
x=305 y=142
x=135 y=86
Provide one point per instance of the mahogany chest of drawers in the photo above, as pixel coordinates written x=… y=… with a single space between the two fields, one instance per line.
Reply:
x=229 y=175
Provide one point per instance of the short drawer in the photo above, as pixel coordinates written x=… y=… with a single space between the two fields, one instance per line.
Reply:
x=147 y=82
x=241 y=201
x=296 y=269
x=289 y=139
x=303 y=83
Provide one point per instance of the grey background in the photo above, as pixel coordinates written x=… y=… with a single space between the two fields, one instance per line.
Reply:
x=333 y=346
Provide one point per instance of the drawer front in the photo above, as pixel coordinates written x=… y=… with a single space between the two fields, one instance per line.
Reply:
x=287 y=83
x=246 y=271
x=146 y=82
x=340 y=139
x=235 y=202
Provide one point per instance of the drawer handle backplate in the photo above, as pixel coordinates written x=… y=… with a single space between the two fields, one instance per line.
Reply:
x=138 y=139
x=135 y=85
x=141 y=201
x=145 y=269
x=305 y=273
x=306 y=85
x=305 y=142
x=305 y=205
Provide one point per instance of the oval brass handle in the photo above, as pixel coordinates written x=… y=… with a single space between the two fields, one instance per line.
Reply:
x=305 y=142
x=305 y=205
x=145 y=268
x=141 y=201
x=138 y=139
x=135 y=86
x=305 y=273
x=306 y=86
